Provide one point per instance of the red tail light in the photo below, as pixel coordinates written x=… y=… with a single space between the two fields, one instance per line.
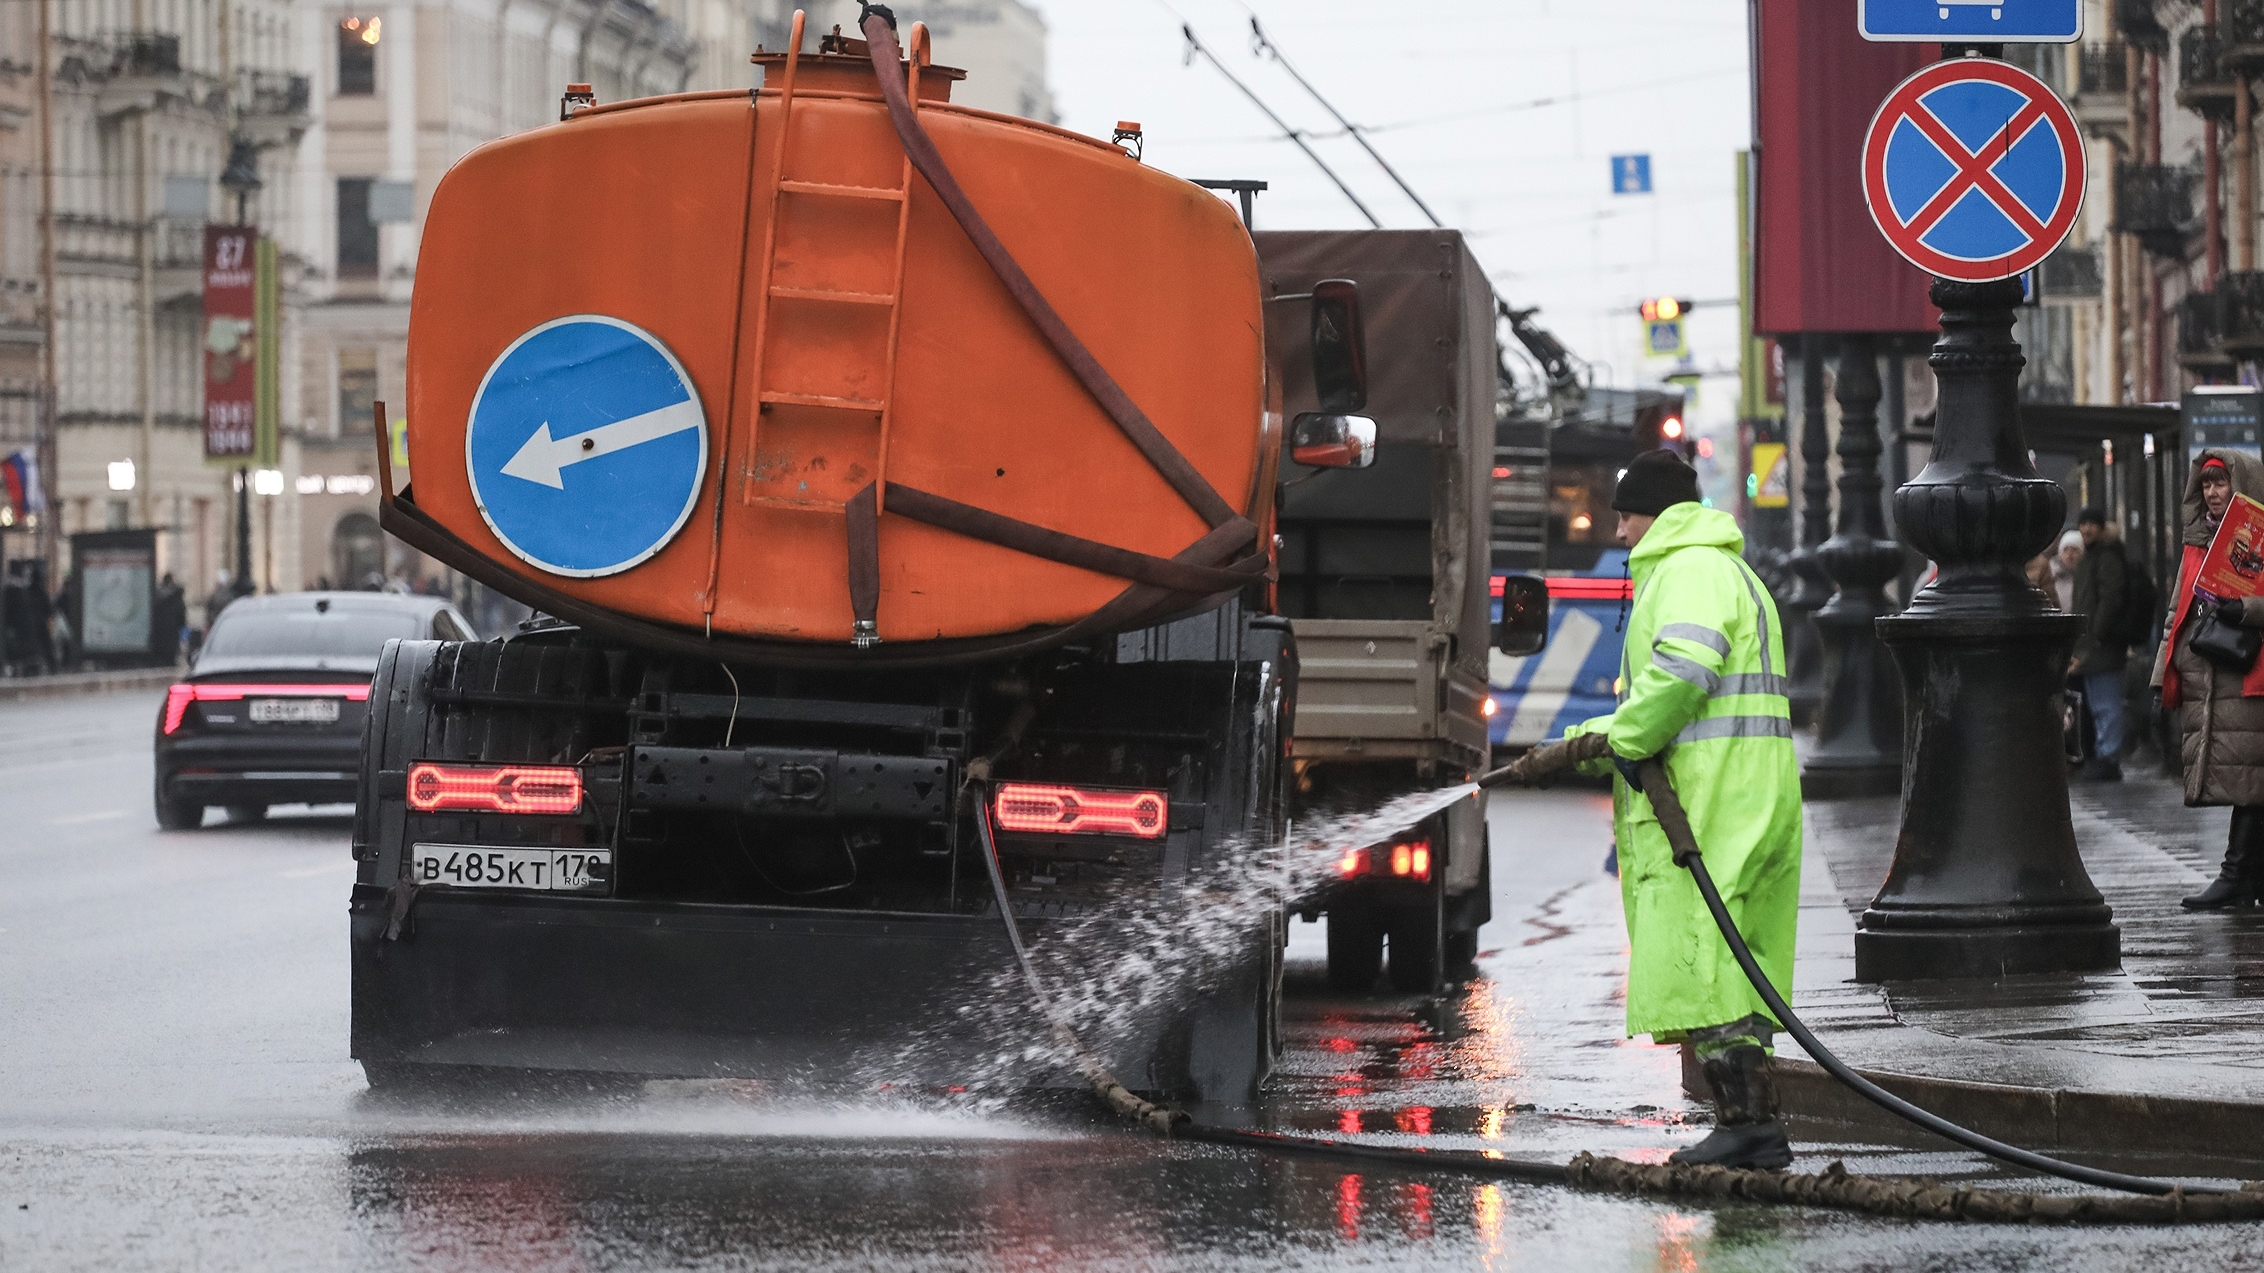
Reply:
x=1408 y=859
x=1033 y=807
x=178 y=698
x=495 y=788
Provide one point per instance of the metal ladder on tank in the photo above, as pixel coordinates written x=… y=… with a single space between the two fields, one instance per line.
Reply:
x=778 y=187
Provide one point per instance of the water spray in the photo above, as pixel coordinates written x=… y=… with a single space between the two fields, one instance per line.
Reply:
x=2144 y=1201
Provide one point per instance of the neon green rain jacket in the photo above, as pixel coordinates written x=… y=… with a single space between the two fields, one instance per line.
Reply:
x=1702 y=680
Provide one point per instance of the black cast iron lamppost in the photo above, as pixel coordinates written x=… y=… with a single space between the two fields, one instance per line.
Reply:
x=1812 y=587
x=1986 y=878
x=1859 y=724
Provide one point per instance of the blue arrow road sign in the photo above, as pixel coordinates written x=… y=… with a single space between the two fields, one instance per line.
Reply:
x=1989 y=21
x=586 y=446
x=1631 y=174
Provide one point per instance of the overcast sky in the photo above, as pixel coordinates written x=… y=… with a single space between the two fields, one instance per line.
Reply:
x=1450 y=92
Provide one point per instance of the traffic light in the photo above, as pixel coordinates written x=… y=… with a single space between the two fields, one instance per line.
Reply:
x=1662 y=428
x=1663 y=309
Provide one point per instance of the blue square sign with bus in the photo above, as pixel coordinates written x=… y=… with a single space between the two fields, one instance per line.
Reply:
x=1990 y=21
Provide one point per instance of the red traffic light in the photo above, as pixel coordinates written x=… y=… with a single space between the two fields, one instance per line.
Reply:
x=1664 y=309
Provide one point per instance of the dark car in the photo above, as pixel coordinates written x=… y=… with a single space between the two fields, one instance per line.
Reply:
x=271 y=712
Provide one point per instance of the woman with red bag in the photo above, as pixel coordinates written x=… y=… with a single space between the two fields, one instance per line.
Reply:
x=2221 y=708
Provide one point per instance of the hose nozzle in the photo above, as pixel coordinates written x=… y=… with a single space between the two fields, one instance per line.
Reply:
x=1546 y=761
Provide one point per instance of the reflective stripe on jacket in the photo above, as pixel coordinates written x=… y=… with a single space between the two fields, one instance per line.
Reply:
x=1703 y=682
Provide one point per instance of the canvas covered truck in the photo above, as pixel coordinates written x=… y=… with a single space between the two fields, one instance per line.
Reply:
x=897 y=484
x=1384 y=578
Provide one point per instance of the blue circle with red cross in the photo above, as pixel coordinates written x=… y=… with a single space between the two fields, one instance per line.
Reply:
x=1974 y=170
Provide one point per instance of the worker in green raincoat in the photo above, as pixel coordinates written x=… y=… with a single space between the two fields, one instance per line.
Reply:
x=1702 y=686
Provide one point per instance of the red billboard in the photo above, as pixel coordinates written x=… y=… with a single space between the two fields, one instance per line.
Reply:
x=231 y=345
x=1819 y=262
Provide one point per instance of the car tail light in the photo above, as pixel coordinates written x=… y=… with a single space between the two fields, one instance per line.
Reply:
x=178 y=697
x=1354 y=862
x=495 y=788
x=1025 y=806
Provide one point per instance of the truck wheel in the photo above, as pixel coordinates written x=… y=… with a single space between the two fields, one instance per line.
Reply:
x=176 y=815
x=1415 y=953
x=1462 y=956
x=1356 y=951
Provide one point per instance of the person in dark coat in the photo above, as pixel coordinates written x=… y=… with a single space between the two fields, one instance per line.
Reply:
x=167 y=618
x=2100 y=653
x=2220 y=710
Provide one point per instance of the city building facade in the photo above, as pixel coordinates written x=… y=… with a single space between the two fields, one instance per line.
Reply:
x=346 y=117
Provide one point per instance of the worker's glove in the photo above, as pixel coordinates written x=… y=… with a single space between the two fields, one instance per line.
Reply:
x=2231 y=610
x=1628 y=769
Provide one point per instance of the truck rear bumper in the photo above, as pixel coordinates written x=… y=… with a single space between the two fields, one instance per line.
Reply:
x=696 y=991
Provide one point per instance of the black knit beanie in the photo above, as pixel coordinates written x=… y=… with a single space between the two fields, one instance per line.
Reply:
x=1653 y=482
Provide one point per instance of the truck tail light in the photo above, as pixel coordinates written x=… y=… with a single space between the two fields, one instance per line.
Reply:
x=495 y=788
x=1407 y=859
x=179 y=696
x=1043 y=808
x=1412 y=859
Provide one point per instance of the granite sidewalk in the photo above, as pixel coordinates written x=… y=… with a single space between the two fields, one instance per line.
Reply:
x=2164 y=1056
x=25 y=689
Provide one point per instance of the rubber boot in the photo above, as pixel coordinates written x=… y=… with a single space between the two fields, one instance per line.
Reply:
x=1746 y=1131
x=2237 y=881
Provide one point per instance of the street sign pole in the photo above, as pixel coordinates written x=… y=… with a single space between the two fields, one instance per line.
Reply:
x=1973 y=170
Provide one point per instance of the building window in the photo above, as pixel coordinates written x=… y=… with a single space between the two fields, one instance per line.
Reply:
x=357 y=234
x=357 y=56
x=357 y=390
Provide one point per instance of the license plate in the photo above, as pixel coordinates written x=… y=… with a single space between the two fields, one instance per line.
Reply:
x=536 y=870
x=294 y=711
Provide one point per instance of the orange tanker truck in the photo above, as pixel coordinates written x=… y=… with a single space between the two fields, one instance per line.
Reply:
x=897 y=483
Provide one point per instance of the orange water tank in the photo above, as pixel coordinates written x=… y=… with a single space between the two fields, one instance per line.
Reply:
x=659 y=350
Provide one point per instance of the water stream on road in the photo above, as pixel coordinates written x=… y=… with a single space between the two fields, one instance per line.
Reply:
x=1111 y=975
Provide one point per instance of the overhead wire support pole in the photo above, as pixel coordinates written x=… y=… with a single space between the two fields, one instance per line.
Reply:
x=1197 y=46
x=1260 y=44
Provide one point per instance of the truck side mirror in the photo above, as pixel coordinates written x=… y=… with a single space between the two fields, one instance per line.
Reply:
x=1524 y=625
x=1322 y=440
x=1340 y=347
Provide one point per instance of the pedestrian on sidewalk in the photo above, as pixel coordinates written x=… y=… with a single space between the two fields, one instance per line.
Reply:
x=2102 y=653
x=1702 y=687
x=2067 y=556
x=2220 y=710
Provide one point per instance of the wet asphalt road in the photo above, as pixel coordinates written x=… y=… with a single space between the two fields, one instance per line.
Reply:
x=175 y=1093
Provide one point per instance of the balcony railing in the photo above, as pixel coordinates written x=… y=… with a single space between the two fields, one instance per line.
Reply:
x=2137 y=22
x=2103 y=70
x=2203 y=85
x=272 y=93
x=2071 y=274
x=2154 y=202
x=2200 y=324
x=146 y=53
x=2240 y=313
x=2240 y=28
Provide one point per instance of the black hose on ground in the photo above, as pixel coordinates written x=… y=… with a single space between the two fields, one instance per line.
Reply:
x=1676 y=823
x=2163 y=1202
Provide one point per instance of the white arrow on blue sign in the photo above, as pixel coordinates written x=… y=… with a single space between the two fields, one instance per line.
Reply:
x=1984 y=21
x=586 y=447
